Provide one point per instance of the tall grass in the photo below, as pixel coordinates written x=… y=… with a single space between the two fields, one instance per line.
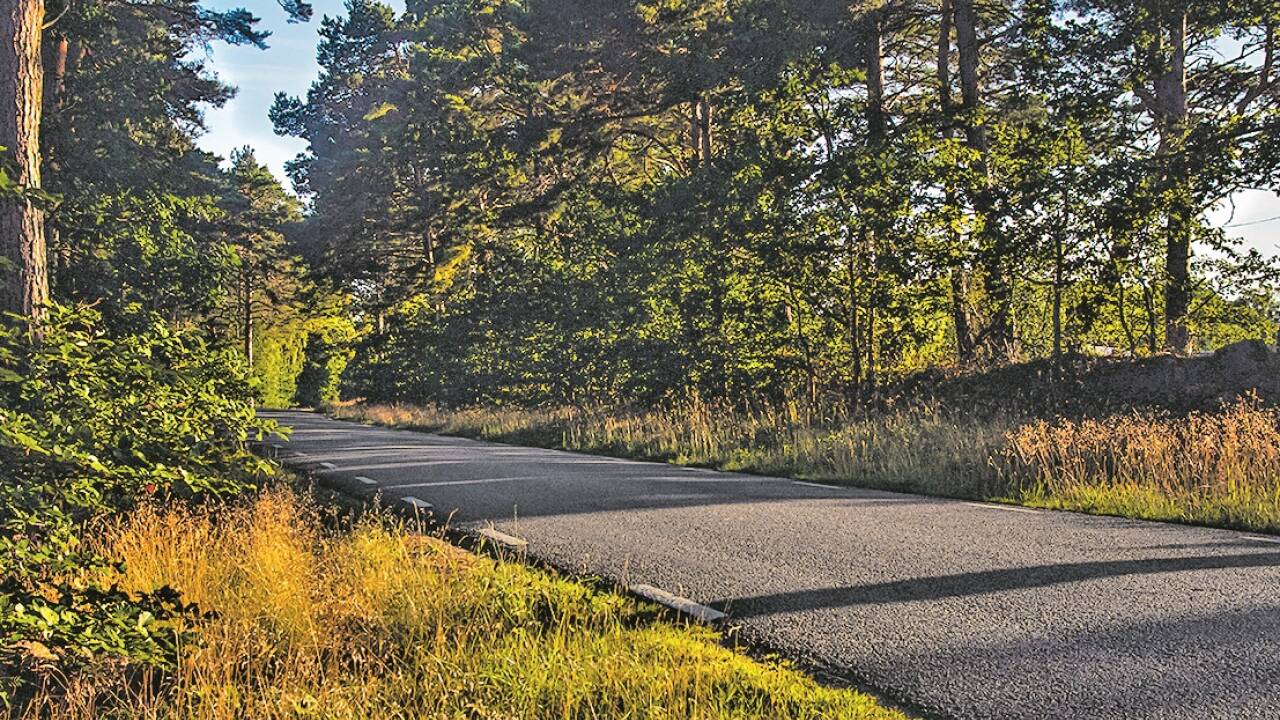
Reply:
x=376 y=622
x=1215 y=468
x=1219 y=468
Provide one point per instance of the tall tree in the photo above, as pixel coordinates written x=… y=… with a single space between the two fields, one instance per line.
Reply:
x=25 y=285
x=1199 y=82
x=258 y=209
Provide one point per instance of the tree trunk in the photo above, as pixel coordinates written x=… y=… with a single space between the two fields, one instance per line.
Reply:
x=966 y=23
x=25 y=290
x=998 y=336
x=56 y=71
x=957 y=279
x=1172 y=112
x=429 y=252
x=705 y=130
x=960 y=316
x=855 y=329
x=1057 y=304
x=959 y=284
x=877 y=130
x=700 y=132
x=874 y=67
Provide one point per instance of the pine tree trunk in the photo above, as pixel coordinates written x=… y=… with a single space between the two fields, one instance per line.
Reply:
x=874 y=67
x=966 y=24
x=877 y=130
x=998 y=335
x=959 y=284
x=26 y=289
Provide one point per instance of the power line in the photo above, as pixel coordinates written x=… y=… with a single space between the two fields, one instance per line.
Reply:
x=1253 y=222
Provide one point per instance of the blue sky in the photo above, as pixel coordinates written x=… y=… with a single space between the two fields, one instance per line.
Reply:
x=289 y=65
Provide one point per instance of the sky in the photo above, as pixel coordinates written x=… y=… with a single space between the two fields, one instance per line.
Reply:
x=289 y=65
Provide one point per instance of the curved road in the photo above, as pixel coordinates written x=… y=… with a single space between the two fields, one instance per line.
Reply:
x=958 y=610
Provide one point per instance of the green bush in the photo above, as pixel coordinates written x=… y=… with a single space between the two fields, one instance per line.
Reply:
x=301 y=362
x=279 y=355
x=92 y=425
x=327 y=355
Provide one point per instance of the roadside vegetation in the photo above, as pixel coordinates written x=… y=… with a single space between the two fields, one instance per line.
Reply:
x=145 y=573
x=92 y=425
x=369 y=620
x=1215 y=467
x=723 y=233
x=688 y=208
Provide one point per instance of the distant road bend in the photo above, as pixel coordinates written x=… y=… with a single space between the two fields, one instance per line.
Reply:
x=959 y=610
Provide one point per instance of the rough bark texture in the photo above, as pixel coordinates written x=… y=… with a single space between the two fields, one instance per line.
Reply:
x=22 y=242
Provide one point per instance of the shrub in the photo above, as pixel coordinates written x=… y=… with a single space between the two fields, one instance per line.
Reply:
x=92 y=425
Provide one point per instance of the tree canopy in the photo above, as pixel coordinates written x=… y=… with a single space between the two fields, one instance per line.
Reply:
x=547 y=201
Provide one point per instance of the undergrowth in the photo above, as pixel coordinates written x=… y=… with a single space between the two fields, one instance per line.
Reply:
x=1217 y=468
x=312 y=618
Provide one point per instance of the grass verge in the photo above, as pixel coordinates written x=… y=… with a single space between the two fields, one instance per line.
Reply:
x=373 y=621
x=1217 y=468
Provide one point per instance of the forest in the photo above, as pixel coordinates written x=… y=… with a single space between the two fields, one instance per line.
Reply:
x=631 y=202
x=888 y=243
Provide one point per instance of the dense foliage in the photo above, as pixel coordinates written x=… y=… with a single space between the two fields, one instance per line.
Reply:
x=140 y=216
x=130 y=387
x=93 y=424
x=623 y=201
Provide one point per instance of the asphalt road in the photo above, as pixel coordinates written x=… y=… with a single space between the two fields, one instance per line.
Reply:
x=956 y=609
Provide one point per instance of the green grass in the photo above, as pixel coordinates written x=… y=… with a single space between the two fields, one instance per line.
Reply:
x=376 y=622
x=1214 y=468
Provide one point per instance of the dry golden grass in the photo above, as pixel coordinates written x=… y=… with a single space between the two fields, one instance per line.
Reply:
x=1216 y=468
x=1219 y=468
x=921 y=449
x=375 y=622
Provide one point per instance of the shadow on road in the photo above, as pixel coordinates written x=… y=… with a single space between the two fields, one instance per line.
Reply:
x=984 y=582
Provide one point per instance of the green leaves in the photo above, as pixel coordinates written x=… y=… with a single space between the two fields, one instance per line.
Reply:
x=91 y=425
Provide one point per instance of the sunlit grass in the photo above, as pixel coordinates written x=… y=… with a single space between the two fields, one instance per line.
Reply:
x=377 y=622
x=1215 y=468
x=1220 y=468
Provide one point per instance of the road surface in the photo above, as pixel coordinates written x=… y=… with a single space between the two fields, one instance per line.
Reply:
x=954 y=609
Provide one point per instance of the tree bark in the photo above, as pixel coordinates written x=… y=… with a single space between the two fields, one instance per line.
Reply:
x=998 y=336
x=22 y=242
x=700 y=129
x=877 y=131
x=56 y=71
x=706 y=131
x=1058 y=282
x=966 y=23
x=874 y=67
x=958 y=281
x=1172 y=114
